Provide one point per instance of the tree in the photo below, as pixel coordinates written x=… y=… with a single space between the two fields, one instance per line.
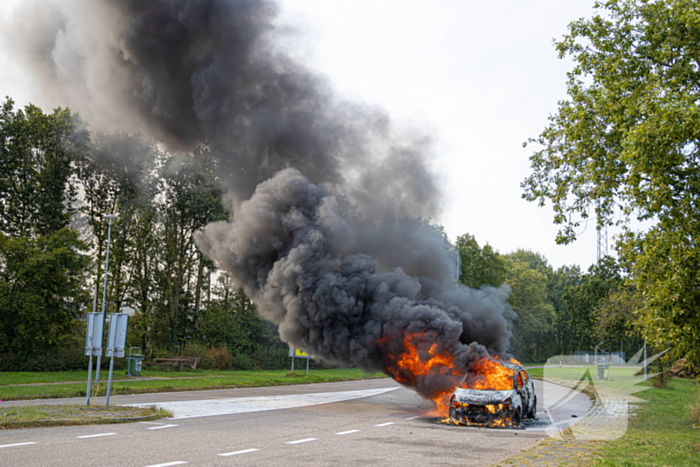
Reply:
x=479 y=266
x=191 y=199
x=37 y=153
x=626 y=141
x=41 y=290
x=528 y=275
x=584 y=300
x=561 y=281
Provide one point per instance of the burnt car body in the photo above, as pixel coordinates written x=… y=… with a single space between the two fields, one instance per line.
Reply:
x=494 y=408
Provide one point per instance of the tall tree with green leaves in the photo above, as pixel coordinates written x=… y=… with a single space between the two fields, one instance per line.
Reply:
x=479 y=266
x=560 y=282
x=626 y=142
x=191 y=198
x=42 y=261
x=42 y=290
x=37 y=155
x=527 y=273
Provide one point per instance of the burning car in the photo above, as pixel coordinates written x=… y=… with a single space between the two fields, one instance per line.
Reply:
x=501 y=401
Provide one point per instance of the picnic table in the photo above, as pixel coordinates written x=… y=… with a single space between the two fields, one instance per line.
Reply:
x=175 y=361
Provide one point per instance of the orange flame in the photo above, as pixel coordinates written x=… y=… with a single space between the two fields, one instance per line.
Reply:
x=421 y=358
x=490 y=374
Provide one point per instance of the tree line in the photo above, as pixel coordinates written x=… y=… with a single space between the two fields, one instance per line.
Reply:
x=556 y=311
x=57 y=181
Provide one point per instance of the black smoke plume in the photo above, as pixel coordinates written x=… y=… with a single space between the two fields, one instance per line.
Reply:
x=327 y=194
x=193 y=71
x=283 y=247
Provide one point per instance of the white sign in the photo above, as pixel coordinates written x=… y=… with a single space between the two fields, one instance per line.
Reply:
x=116 y=341
x=93 y=336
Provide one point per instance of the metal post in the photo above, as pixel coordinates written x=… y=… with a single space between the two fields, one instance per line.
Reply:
x=104 y=292
x=89 y=382
x=307 y=365
x=645 y=359
x=87 y=401
x=109 y=381
x=292 y=361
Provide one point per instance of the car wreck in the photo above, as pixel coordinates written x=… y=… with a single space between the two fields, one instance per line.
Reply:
x=503 y=404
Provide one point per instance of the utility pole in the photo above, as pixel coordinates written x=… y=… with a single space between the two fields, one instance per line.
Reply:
x=111 y=218
x=602 y=250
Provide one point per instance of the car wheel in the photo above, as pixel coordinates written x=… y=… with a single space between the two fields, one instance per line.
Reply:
x=533 y=412
x=453 y=414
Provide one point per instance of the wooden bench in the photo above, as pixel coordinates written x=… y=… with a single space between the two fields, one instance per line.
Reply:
x=169 y=363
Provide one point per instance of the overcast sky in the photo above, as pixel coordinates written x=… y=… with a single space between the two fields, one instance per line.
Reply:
x=482 y=77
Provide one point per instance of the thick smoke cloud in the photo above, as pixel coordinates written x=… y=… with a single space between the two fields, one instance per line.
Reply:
x=281 y=247
x=190 y=71
x=328 y=195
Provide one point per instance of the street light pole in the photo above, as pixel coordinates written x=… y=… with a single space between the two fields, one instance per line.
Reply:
x=111 y=218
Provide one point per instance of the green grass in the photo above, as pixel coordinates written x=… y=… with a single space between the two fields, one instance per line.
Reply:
x=662 y=433
x=59 y=415
x=172 y=381
x=621 y=379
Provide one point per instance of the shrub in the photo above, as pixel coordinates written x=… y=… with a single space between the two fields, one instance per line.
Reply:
x=242 y=361
x=220 y=358
x=270 y=358
x=194 y=349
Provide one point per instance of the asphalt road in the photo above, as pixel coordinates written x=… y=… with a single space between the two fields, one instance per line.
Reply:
x=395 y=427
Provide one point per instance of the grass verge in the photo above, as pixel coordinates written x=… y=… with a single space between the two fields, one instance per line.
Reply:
x=166 y=382
x=661 y=433
x=62 y=415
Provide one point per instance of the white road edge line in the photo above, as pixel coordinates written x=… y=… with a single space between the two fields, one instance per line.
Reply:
x=161 y=427
x=348 y=432
x=385 y=424
x=235 y=453
x=168 y=464
x=16 y=444
x=152 y=423
x=299 y=441
x=95 y=436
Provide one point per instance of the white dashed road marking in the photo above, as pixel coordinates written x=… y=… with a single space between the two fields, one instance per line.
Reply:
x=95 y=436
x=16 y=444
x=411 y=418
x=161 y=426
x=299 y=441
x=168 y=464
x=348 y=432
x=235 y=453
x=385 y=424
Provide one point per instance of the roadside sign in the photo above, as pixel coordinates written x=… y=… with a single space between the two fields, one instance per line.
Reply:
x=298 y=353
x=93 y=334
x=116 y=342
